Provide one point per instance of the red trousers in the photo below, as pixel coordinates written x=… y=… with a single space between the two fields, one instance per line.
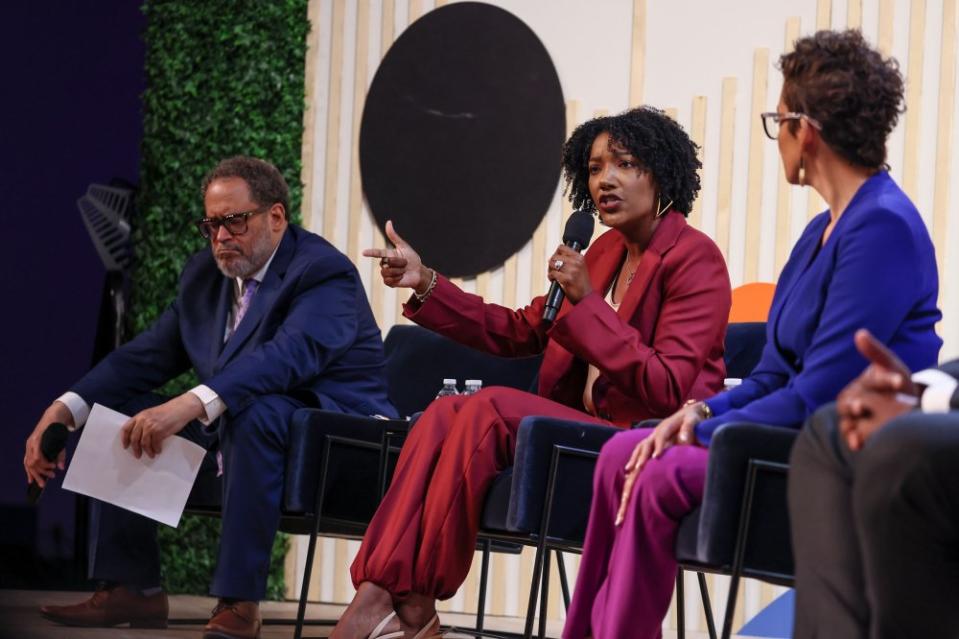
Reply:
x=423 y=535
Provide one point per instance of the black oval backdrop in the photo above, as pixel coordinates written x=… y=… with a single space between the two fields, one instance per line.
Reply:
x=461 y=138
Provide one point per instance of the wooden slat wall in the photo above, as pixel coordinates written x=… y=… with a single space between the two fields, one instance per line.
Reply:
x=349 y=36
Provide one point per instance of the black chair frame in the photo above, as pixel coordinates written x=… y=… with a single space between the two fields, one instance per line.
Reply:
x=737 y=569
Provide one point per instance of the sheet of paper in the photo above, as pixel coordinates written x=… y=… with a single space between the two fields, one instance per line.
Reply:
x=156 y=488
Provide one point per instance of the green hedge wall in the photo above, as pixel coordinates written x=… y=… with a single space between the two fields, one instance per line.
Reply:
x=223 y=78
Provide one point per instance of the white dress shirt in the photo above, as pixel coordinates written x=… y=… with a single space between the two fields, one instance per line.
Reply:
x=213 y=406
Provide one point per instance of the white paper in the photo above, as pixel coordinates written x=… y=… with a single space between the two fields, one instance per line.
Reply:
x=156 y=488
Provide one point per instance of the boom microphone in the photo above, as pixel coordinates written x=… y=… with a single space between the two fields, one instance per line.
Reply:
x=579 y=229
x=52 y=441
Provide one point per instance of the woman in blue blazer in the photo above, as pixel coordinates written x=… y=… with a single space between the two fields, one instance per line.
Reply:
x=867 y=261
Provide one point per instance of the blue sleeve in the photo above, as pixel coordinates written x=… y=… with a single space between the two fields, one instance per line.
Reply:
x=320 y=325
x=880 y=250
x=149 y=360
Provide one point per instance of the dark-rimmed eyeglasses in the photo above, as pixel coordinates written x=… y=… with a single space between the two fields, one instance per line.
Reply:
x=235 y=223
x=773 y=119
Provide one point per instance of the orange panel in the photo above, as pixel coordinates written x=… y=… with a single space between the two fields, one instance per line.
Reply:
x=751 y=302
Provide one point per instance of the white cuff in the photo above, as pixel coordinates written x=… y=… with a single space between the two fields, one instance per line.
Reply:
x=77 y=407
x=940 y=387
x=212 y=404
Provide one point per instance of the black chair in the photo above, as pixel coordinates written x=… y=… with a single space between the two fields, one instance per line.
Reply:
x=741 y=529
x=338 y=466
x=556 y=458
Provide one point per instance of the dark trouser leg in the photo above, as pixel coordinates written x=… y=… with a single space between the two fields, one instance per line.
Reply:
x=253 y=443
x=123 y=545
x=830 y=591
x=906 y=504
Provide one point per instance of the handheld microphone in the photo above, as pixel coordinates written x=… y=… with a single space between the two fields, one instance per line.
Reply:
x=579 y=229
x=53 y=440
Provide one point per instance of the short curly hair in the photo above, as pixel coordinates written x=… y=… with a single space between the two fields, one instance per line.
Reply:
x=657 y=142
x=266 y=183
x=854 y=92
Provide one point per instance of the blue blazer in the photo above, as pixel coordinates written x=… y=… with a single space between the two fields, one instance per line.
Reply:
x=877 y=271
x=309 y=334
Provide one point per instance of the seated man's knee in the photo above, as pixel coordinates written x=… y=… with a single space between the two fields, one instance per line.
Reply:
x=893 y=464
x=266 y=418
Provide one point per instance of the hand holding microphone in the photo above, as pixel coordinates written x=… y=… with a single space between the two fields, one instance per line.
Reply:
x=50 y=449
x=567 y=268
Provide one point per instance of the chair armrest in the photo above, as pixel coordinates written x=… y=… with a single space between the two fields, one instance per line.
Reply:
x=535 y=441
x=353 y=475
x=732 y=448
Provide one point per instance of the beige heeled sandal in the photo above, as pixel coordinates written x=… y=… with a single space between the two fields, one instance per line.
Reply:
x=430 y=630
x=379 y=628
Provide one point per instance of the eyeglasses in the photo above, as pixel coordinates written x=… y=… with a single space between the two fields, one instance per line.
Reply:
x=773 y=119
x=235 y=223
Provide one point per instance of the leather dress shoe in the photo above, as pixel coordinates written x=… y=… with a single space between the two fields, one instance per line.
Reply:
x=113 y=606
x=236 y=620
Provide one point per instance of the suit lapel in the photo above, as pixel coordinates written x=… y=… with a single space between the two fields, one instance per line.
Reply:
x=665 y=236
x=263 y=300
x=222 y=312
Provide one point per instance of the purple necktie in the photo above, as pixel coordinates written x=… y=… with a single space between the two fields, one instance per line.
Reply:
x=249 y=290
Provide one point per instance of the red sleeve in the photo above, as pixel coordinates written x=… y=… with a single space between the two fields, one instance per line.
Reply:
x=659 y=369
x=467 y=319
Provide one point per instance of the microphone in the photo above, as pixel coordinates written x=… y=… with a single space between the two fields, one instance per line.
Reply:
x=579 y=229
x=52 y=441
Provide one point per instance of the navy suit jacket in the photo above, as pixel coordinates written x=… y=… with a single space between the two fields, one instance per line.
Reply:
x=308 y=334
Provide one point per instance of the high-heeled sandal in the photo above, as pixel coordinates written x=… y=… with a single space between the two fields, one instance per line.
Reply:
x=428 y=628
x=379 y=627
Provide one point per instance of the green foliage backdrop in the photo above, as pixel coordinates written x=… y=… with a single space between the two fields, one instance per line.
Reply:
x=223 y=78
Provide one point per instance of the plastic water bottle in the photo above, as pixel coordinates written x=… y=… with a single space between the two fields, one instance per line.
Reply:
x=473 y=386
x=449 y=388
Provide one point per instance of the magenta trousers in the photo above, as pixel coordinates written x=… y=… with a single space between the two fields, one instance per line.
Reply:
x=627 y=573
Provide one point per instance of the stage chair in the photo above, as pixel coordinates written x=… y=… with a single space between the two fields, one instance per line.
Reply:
x=556 y=457
x=344 y=462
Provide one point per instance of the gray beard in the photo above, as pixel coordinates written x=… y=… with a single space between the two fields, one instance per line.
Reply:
x=243 y=267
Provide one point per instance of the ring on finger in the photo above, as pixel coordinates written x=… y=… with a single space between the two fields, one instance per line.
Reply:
x=384 y=261
x=558 y=264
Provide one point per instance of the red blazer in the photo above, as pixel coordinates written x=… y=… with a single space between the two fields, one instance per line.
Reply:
x=663 y=346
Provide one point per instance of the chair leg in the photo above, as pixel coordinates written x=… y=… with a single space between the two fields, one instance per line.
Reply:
x=680 y=605
x=484 y=577
x=739 y=552
x=544 y=598
x=317 y=515
x=563 y=581
x=534 y=587
x=707 y=606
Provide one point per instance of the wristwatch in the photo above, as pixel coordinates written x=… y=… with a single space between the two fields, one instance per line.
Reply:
x=704 y=410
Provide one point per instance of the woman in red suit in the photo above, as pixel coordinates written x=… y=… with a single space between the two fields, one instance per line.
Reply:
x=640 y=333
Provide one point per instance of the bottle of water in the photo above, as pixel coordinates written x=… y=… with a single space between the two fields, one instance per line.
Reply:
x=473 y=386
x=449 y=388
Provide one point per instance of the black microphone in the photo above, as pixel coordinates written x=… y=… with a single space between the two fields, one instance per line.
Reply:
x=579 y=229
x=52 y=441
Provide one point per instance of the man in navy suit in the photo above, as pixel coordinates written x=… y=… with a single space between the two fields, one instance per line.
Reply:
x=874 y=505
x=272 y=318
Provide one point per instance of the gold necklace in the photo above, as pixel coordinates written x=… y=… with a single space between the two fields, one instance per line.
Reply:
x=631 y=274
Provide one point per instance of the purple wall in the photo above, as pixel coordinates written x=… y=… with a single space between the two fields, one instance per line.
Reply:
x=70 y=115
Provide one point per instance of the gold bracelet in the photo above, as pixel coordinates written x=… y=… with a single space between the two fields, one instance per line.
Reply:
x=704 y=410
x=429 y=289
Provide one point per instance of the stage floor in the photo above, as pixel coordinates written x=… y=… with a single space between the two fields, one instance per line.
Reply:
x=20 y=619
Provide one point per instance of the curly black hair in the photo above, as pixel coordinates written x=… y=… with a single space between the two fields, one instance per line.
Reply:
x=854 y=92
x=657 y=142
x=266 y=183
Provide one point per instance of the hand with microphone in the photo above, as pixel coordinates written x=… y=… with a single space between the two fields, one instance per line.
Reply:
x=44 y=448
x=567 y=268
x=52 y=443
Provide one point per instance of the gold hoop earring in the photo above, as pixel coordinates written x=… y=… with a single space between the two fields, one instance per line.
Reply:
x=660 y=212
x=802 y=172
